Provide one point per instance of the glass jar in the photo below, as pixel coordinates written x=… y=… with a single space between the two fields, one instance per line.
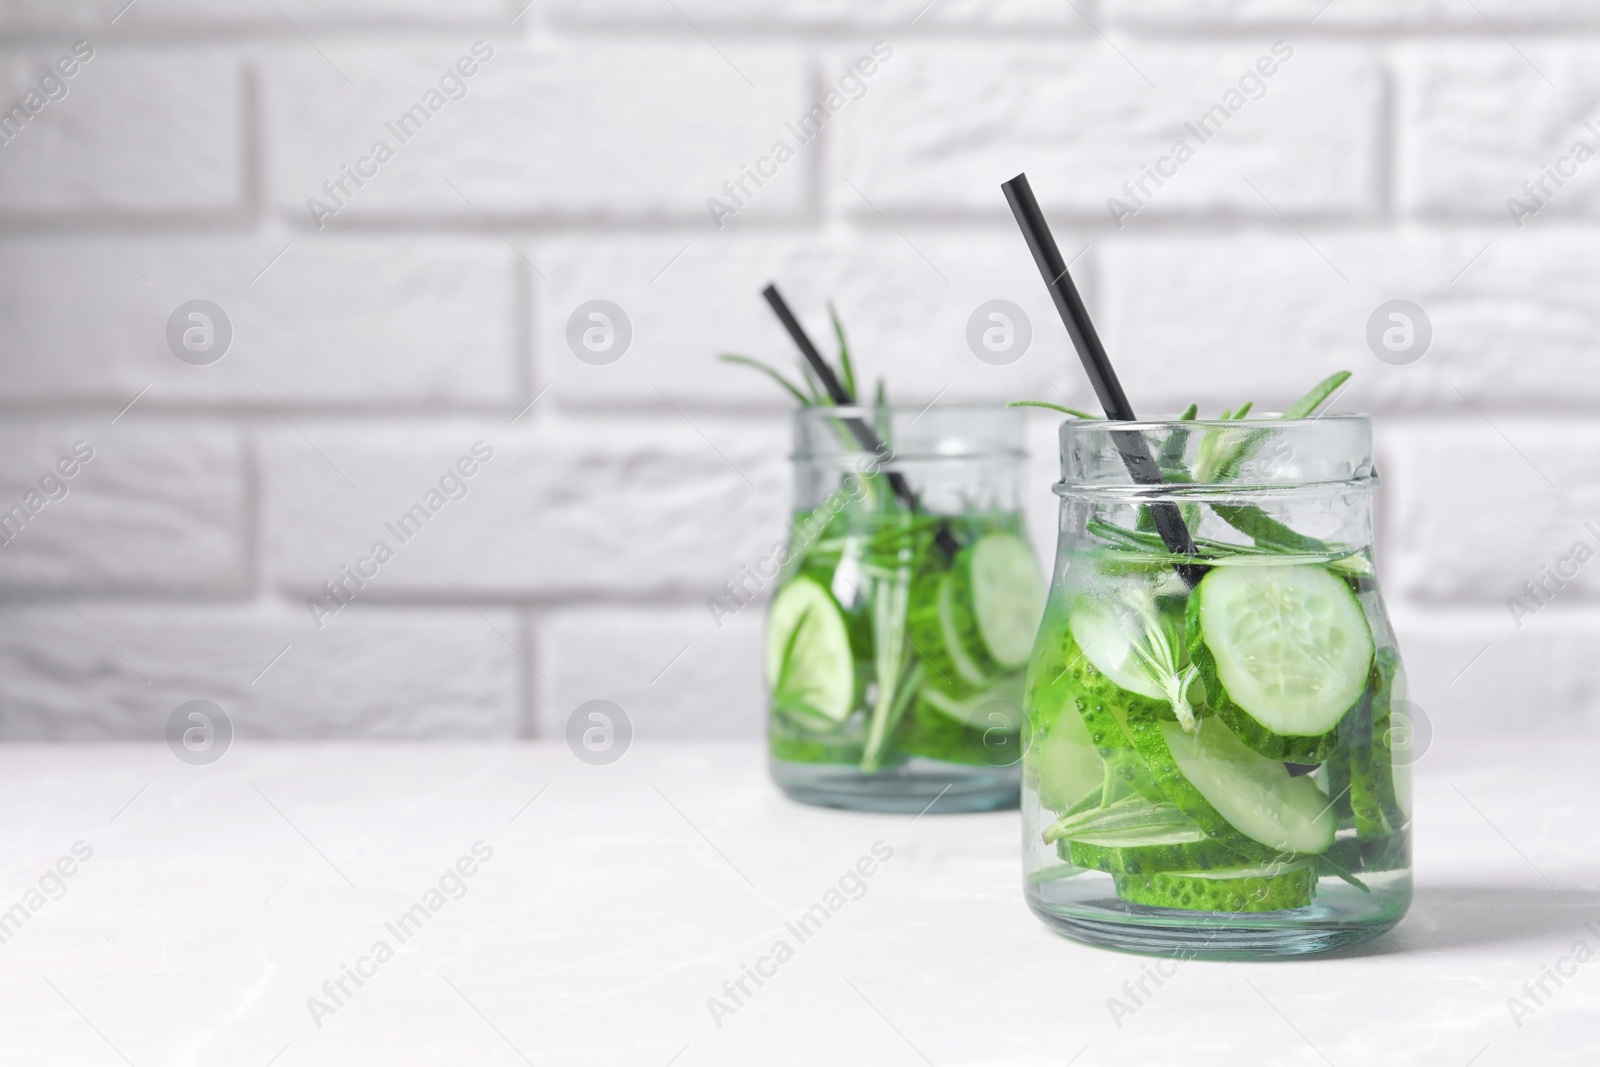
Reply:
x=899 y=634
x=1219 y=745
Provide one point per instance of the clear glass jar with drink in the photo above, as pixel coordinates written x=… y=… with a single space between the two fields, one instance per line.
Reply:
x=1219 y=744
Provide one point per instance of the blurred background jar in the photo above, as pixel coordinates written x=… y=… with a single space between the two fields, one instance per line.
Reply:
x=907 y=607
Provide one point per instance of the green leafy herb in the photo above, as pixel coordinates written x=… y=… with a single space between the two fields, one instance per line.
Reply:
x=1130 y=813
x=1074 y=412
x=1326 y=864
x=1307 y=405
x=746 y=361
x=847 y=372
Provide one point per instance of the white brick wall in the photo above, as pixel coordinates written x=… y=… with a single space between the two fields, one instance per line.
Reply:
x=369 y=354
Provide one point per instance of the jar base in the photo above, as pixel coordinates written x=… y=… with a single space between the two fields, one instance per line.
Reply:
x=917 y=787
x=1199 y=935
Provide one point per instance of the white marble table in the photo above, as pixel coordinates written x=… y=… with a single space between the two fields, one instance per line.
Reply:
x=218 y=899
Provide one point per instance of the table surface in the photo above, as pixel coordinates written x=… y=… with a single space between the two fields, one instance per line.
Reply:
x=607 y=906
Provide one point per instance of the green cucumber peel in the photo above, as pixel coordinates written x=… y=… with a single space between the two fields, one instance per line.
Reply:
x=1337 y=769
x=1103 y=705
x=962 y=633
x=1388 y=669
x=933 y=633
x=1147 y=852
x=1372 y=794
x=1268 y=887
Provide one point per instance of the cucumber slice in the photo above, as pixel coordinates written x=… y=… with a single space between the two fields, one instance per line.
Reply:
x=1246 y=801
x=1000 y=705
x=1337 y=769
x=955 y=634
x=1284 y=653
x=939 y=638
x=1104 y=707
x=1061 y=761
x=1267 y=887
x=1106 y=642
x=934 y=636
x=1001 y=576
x=1064 y=758
x=1256 y=796
x=1148 y=852
x=1374 y=796
x=809 y=667
x=1399 y=733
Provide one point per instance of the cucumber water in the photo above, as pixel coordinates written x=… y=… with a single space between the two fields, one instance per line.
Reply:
x=1219 y=735
x=905 y=600
x=896 y=637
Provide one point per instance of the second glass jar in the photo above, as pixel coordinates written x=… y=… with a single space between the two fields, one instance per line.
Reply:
x=906 y=609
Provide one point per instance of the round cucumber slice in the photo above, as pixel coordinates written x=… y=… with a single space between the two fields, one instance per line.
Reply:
x=926 y=630
x=1063 y=755
x=1268 y=887
x=809 y=667
x=998 y=706
x=1106 y=641
x=1007 y=593
x=1148 y=852
x=1284 y=652
x=1220 y=781
x=955 y=637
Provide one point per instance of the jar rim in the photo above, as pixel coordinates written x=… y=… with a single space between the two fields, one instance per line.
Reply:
x=866 y=411
x=917 y=432
x=1317 y=453
x=1266 y=420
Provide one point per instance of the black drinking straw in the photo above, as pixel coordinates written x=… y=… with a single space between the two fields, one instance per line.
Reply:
x=841 y=396
x=1135 y=450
